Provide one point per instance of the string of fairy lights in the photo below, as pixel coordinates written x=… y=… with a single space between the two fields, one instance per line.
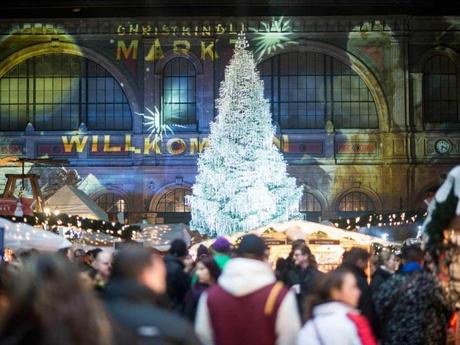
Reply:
x=80 y=229
x=94 y=232
x=393 y=219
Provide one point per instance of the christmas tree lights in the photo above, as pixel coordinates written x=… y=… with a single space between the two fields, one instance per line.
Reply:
x=242 y=181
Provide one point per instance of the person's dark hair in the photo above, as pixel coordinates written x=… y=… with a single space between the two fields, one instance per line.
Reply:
x=412 y=253
x=323 y=288
x=94 y=252
x=305 y=250
x=355 y=254
x=130 y=262
x=295 y=244
x=49 y=305
x=212 y=267
x=178 y=248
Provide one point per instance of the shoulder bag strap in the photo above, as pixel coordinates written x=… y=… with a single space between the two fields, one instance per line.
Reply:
x=272 y=296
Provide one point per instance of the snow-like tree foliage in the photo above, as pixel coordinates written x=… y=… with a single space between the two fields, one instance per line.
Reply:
x=242 y=181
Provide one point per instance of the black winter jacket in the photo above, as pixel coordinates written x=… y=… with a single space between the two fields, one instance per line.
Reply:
x=178 y=282
x=138 y=320
x=379 y=276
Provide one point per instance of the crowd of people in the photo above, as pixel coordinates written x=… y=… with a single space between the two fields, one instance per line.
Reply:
x=225 y=296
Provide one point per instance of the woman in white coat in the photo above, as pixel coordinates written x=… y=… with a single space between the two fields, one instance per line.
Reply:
x=331 y=314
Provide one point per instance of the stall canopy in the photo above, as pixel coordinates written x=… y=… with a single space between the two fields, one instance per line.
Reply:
x=24 y=236
x=160 y=236
x=72 y=201
x=300 y=229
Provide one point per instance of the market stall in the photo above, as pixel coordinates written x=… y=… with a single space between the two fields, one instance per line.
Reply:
x=160 y=236
x=72 y=201
x=327 y=243
x=24 y=236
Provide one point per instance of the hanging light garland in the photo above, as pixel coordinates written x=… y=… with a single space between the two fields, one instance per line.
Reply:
x=392 y=219
x=78 y=225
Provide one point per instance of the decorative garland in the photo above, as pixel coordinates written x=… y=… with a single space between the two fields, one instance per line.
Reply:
x=380 y=220
x=52 y=222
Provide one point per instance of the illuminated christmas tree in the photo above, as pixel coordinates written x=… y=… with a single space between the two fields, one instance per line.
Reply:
x=242 y=181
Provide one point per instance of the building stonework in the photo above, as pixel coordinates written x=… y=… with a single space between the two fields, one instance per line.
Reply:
x=393 y=164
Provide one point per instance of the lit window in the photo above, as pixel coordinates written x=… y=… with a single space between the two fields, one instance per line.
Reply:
x=356 y=203
x=179 y=104
x=174 y=201
x=60 y=91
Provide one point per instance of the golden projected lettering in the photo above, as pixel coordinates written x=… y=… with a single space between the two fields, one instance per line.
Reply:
x=128 y=145
x=208 y=49
x=75 y=140
x=151 y=145
x=197 y=145
x=128 y=50
x=155 y=51
x=176 y=146
x=181 y=47
x=126 y=53
x=203 y=30
x=108 y=148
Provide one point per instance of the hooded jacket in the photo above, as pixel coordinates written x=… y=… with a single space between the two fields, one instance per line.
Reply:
x=241 y=279
x=333 y=324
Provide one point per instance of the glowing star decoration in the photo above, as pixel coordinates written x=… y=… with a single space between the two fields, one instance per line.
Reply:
x=273 y=37
x=154 y=124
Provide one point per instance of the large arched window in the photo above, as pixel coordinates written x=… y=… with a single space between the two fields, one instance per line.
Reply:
x=60 y=91
x=179 y=100
x=172 y=206
x=307 y=89
x=355 y=204
x=440 y=90
x=113 y=204
x=310 y=207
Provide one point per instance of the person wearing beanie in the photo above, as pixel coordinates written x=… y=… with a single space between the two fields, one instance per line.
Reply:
x=247 y=293
x=221 y=249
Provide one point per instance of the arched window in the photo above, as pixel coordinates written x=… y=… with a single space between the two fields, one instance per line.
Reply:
x=60 y=91
x=179 y=101
x=174 y=201
x=307 y=89
x=172 y=207
x=355 y=204
x=113 y=204
x=440 y=90
x=310 y=207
